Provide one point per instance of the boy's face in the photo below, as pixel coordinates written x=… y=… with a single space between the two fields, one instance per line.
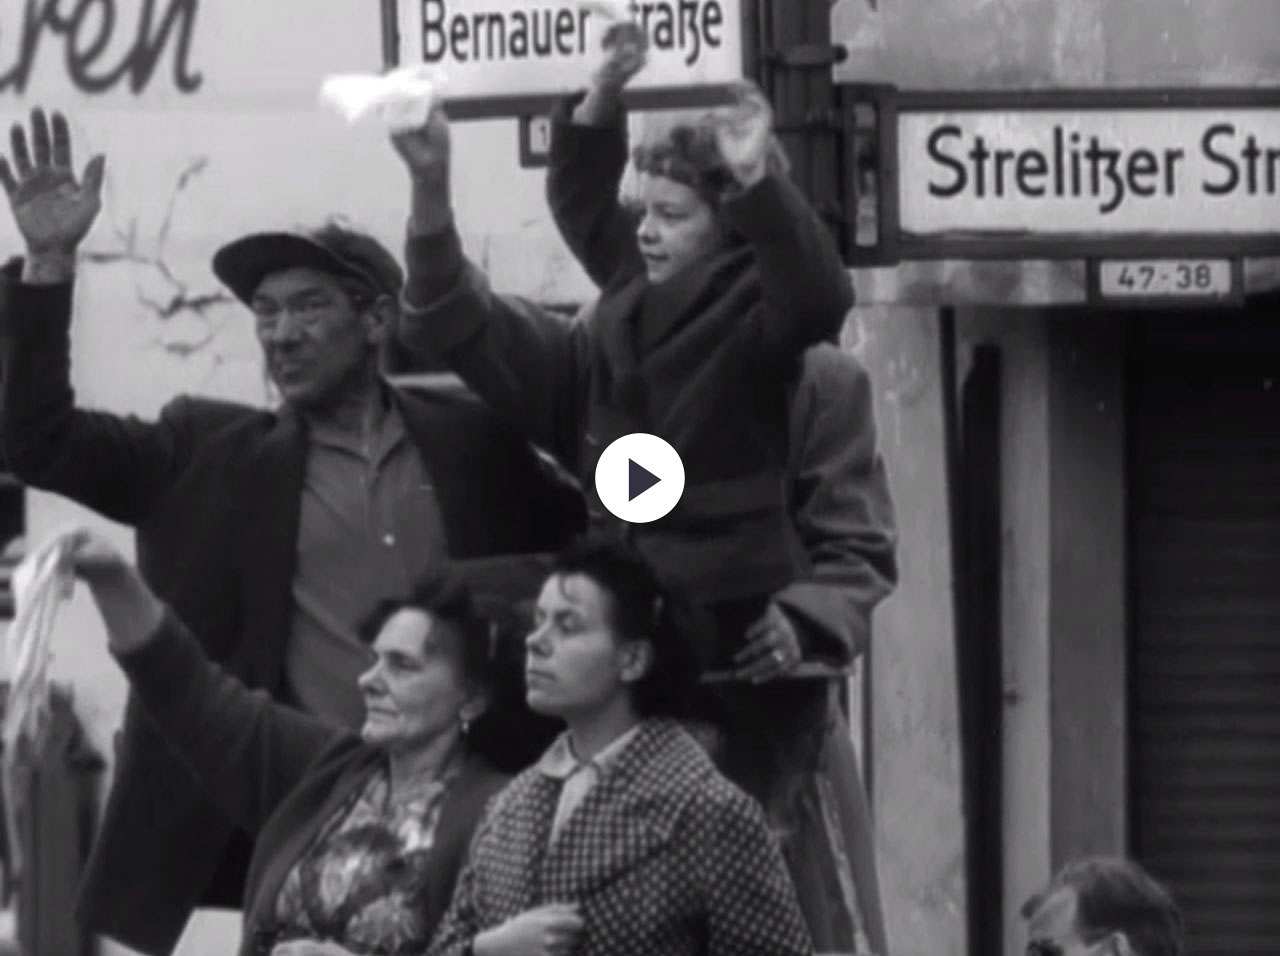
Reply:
x=677 y=226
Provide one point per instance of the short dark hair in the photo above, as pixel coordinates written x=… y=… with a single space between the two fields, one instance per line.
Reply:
x=446 y=597
x=508 y=733
x=644 y=607
x=1115 y=894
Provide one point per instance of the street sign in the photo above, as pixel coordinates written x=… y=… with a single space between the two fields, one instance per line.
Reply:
x=515 y=57
x=535 y=141
x=1160 y=283
x=1100 y=171
x=1079 y=174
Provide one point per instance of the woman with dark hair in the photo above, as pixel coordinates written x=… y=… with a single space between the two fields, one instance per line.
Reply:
x=624 y=838
x=358 y=839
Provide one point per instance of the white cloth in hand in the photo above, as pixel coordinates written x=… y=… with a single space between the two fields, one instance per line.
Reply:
x=613 y=10
x=41 y=582
x=399 y=100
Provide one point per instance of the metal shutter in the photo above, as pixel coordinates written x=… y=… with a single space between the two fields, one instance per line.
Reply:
x=1205 y=551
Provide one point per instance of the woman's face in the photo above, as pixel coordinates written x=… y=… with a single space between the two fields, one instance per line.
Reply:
x=576 y=664
x=416 y=688
x=677 y=226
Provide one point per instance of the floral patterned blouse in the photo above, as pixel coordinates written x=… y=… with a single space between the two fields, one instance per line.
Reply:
x=360 y=881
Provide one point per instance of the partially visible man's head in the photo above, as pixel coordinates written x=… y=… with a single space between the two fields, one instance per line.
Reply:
x=322 y=303
x=1103 y=905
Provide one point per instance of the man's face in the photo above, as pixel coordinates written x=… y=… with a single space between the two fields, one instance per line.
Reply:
x=1052 y=930
x=315 y=338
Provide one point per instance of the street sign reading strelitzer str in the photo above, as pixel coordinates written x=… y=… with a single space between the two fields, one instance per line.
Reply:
x=1090 y=171
x=506 y=57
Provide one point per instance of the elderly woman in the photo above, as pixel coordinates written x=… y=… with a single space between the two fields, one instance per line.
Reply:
x=623 y=839
x=359 y=839
x=715 y=281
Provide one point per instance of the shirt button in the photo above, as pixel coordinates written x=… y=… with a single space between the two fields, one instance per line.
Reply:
x=389 y=539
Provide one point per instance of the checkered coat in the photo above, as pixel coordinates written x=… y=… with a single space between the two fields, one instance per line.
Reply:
x=664 y=856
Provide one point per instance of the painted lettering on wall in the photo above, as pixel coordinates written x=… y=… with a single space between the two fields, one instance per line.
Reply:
x=83 y=31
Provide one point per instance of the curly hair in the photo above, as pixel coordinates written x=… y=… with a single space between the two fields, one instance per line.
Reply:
x=686 y=152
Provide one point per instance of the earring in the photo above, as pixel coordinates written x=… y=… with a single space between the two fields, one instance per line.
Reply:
x=464 y=723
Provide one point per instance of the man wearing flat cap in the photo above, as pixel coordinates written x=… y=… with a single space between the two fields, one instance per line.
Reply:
x=272 y=534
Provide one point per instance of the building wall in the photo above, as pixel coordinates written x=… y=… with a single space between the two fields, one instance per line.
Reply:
x=1062 y=616
x=1016 y=44
x=914 y=731
x=1047 y=44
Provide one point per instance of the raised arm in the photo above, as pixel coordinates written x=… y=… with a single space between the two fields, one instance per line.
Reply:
x=248 y=751
x=841 y=507
x=524 y=361
x=806 y=289
x=583 y=175
x=114 y=465
x=587 y=159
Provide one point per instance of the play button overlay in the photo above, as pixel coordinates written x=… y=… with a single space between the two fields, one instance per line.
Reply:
x=639 y=478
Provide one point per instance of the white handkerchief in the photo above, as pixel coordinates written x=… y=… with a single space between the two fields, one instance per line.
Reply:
x=399 y=100
x=40 y=583
x=609 y=9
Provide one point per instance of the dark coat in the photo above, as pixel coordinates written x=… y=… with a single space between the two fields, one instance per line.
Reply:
x=280 y=774
x=841 y=509
x=703 y=360
x=214 y=492
x=664 y=856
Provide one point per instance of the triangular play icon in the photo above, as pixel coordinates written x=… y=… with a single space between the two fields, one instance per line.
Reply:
x=639 y=479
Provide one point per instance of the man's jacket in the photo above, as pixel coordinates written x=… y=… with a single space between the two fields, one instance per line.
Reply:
x=213 y=490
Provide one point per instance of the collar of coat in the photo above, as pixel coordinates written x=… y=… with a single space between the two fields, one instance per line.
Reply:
x=657 y=765
x=635 y=319
x=561 y=761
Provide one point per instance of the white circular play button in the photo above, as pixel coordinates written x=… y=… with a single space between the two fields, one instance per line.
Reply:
x=639 y=478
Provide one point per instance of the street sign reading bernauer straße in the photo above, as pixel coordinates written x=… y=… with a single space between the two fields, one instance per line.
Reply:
x=511 y=57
